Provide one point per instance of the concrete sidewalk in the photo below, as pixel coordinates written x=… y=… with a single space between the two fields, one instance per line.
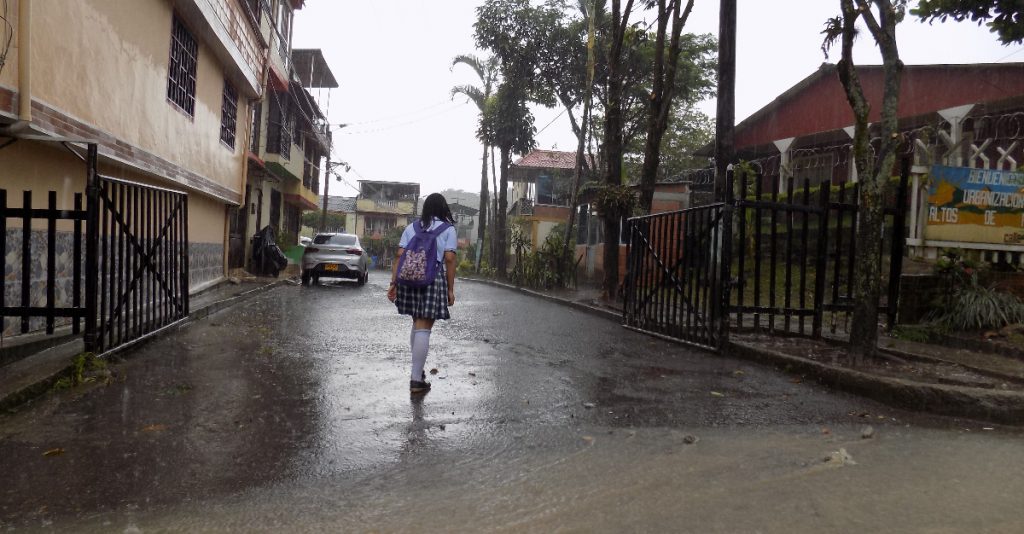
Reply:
x=1001 y=400
x=34 y=364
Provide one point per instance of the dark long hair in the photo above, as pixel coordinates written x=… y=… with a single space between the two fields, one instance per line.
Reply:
x=436 y=206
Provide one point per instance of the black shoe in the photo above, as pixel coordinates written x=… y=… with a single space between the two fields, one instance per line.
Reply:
x=419 y=386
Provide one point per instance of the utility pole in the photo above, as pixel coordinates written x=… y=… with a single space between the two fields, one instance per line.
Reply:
x=725 y=150
x=327 y=182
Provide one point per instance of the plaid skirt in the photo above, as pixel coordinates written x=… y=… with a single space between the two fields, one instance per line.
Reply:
x=430 y=302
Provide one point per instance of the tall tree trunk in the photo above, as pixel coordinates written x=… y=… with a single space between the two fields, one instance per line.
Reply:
x=613 y=145
x=663 y=91
x=494 y=209
x=482 y=216
x=501 y=230
x=567 y=261
x=867 y=279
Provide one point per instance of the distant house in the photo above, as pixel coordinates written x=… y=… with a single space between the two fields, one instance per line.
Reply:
x=344 y=207
x=383 y=206
x=541 y=190
x=668 y=196
x=541 y=196
x=465 y=222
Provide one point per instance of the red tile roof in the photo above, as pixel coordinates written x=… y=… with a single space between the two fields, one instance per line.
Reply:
x=547 y=159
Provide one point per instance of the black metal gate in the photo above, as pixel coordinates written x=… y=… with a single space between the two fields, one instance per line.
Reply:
x=796 y=251
x=677 y=264
x=136 y=260
x=136 y=277
x=789 y=270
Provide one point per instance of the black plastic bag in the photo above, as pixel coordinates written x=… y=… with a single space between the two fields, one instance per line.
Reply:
x=267 y=258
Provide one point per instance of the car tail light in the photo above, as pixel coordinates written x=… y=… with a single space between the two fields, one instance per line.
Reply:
x=311 y=249
x=355 y=252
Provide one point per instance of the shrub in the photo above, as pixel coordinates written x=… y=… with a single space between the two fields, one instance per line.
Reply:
x=976 y=307
x=968 y=305
x=465 y=267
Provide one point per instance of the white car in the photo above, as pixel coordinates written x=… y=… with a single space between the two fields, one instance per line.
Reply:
x=334 y=256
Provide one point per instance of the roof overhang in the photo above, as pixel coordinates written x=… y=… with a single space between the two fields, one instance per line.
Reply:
x=311 y=69
x=299 y=201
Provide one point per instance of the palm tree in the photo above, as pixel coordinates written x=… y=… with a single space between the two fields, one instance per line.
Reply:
x=488 y=72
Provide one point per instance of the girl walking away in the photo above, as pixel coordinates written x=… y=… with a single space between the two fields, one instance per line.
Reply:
x=423 y=279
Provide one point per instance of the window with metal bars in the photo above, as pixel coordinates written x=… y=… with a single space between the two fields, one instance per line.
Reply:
x=181 y=72
x=228 y=114
x=279 y=125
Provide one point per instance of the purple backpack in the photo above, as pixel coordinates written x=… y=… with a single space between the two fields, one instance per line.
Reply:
x=418 y=265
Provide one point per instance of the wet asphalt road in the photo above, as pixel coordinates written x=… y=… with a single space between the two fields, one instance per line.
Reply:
x=291 y=412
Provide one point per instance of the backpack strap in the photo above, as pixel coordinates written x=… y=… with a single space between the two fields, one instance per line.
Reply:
x=440 y=229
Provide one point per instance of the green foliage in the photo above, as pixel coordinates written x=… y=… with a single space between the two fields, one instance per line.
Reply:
x=507 y=122
x=81 y=364
x=917 y=334
x=539 y=269
x=335 y=221
x=615 y=200
x=1005 y=18
x=465 y=268
x=968 y=305
x=486 y=270
x=977 y=307
x=385 y=246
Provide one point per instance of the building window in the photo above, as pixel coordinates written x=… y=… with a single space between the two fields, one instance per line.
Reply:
x=181 y=76
x=279 y=121
x=228 y=114
x=284 y=27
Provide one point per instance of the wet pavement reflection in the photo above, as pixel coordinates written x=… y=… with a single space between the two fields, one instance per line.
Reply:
x=292 y=411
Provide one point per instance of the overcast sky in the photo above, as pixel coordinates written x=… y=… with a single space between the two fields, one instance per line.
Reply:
x=393 y=62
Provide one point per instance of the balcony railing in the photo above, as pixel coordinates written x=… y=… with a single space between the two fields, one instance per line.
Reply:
x=521 y=207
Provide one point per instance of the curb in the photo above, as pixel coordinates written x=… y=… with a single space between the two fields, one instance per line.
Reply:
x=39 y=386
x=592 y=310
x=1004 y=407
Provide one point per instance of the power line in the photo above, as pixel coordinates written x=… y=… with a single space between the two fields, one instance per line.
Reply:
x=406 y=123
x=400 y=115
x=552 y=121
x=1015 y=52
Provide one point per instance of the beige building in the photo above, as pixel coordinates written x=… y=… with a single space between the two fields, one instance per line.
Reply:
x=291 y=138
x=164 y=88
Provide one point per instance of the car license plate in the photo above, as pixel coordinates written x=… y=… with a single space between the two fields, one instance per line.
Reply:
x=331 y=267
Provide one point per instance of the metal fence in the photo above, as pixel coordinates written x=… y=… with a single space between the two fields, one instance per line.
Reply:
x=675 y=279
x=795 y=253
x=25 y=308
x=138 y=245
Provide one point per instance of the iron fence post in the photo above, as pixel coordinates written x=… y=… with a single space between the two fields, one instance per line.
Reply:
x=725 y=272
x=899 y=221
x=821 y=262
x=628 y=285
x=92 y=231
x=184 y=257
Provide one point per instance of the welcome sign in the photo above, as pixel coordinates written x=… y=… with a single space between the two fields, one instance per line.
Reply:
x=976 y=205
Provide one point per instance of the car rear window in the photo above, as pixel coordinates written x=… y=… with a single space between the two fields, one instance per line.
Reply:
x=342 y=240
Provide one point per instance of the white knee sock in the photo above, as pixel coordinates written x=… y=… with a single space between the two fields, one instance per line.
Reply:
x=412 y=336
x=420 y=346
